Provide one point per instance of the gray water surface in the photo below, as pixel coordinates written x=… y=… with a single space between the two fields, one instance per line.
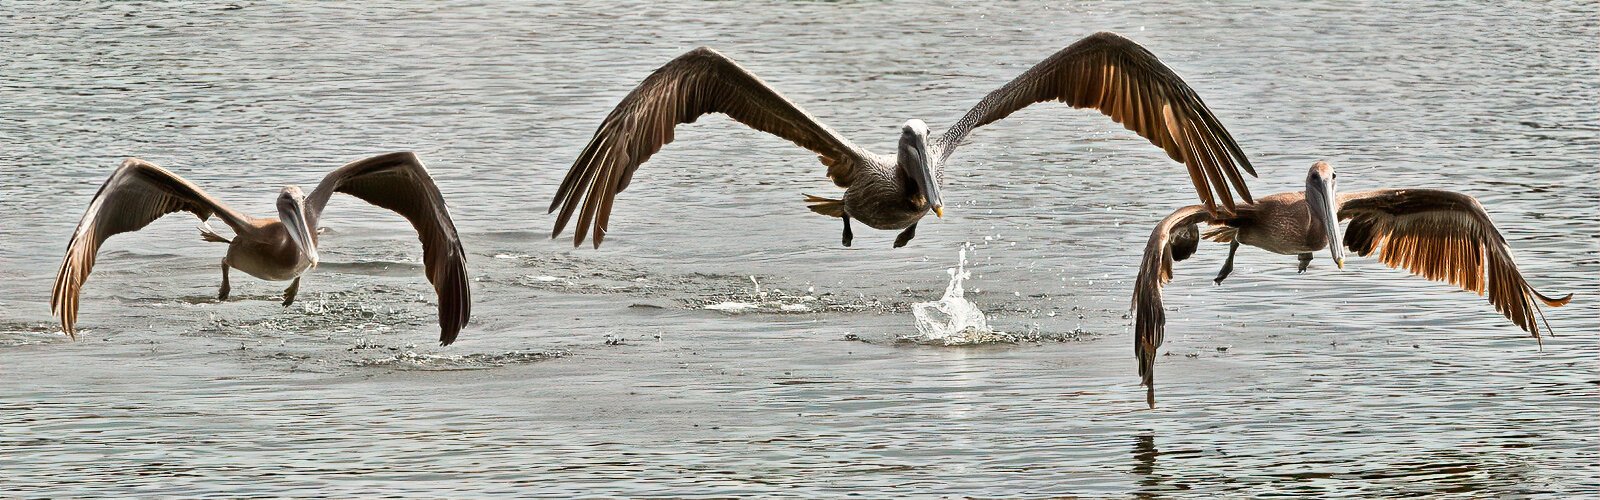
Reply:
x=1359 y=382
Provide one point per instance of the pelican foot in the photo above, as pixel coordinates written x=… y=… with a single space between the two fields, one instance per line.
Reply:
x=906 y=236
x=288 y=295
x=1222 y=275
x=222 y=292
x=847 y=234
x=1305 y=262
x=1227 y=266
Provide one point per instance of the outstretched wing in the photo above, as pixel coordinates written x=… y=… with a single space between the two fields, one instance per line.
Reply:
x=1175 y=238
x=1128 y=83
x=399 y=182
x=1443 y=236
x=138 y=193
x=697 y=83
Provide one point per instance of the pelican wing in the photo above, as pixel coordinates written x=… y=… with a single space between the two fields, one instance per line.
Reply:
x=697 y=83
x=1128 y=83
x=399 y=182
x=138 y=193
x=1443 y=236
x=1175 y=238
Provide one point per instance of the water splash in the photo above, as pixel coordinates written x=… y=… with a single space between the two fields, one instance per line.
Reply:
x=954 y=320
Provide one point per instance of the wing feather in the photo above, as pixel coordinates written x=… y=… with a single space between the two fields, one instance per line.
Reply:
x=1174 y=238
x=697 y=83
x=1126 y=82
x=1443 y=236
x=399 y=182
x=136 y=194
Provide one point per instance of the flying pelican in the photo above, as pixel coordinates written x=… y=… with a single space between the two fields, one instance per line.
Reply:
x=1440 y=235
x=281 y=249
x=1103 y=71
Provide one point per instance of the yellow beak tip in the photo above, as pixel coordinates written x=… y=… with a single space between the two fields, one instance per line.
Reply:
x=1340 y=263
x=938 y=211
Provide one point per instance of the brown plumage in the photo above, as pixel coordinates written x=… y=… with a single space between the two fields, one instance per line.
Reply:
x=1103 y=71
x=281 y=249
x=1439 y=235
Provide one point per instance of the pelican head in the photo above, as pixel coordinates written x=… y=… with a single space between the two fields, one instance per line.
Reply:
x=292 y=213
x=914 y=159
x=1323 y=201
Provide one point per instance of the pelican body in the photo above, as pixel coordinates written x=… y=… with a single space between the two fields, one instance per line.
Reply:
x=280 y=249
x=269 y=251
x=1104 y=71
x=1440 y=235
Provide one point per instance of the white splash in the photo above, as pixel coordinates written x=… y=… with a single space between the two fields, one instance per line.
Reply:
x=730 y=306
x=954 y=320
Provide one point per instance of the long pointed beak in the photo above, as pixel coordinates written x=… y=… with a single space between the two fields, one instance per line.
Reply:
x=294 y=219
x=1329 y=213
x=930 y=183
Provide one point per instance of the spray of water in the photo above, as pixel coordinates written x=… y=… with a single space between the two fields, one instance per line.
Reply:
x=954 y=320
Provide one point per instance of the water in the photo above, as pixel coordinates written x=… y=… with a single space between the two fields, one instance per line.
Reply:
x=601 y=372
x=954 y=320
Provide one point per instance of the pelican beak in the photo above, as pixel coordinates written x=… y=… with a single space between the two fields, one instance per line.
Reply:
x=913 y=159
x=1323 y=200
x=292 y=213
x=926 y=179
x=1331 y=219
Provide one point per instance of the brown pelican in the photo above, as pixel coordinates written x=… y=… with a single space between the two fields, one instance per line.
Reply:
x=1440 y=235
x=1103 y=71
x=281 y=249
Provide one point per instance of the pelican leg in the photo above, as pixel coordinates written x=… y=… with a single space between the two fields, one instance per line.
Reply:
x=847 y=235
x=222 y=293
x=1227 y=267
x=906 y=236
x=288 y=295
x=1305 y=262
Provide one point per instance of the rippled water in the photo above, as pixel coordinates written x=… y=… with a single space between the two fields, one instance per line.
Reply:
x=597 y=372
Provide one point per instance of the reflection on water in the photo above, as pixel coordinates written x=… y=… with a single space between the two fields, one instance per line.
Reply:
x=603 y=373
x=1144 y=464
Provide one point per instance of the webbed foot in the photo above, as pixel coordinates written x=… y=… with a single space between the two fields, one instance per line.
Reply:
x=847 y=234
x=288 y=295
x=906 y=236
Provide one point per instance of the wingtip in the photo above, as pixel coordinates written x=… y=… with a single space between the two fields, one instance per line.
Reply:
x=1552 y=302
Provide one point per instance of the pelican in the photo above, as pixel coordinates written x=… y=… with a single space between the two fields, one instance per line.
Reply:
x=1440 y=235
x=280 y=249
x=1104 y=71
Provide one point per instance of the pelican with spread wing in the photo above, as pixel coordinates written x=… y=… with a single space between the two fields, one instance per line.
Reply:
x=1439 y=235
x=280 y=249
x=1104 y=71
